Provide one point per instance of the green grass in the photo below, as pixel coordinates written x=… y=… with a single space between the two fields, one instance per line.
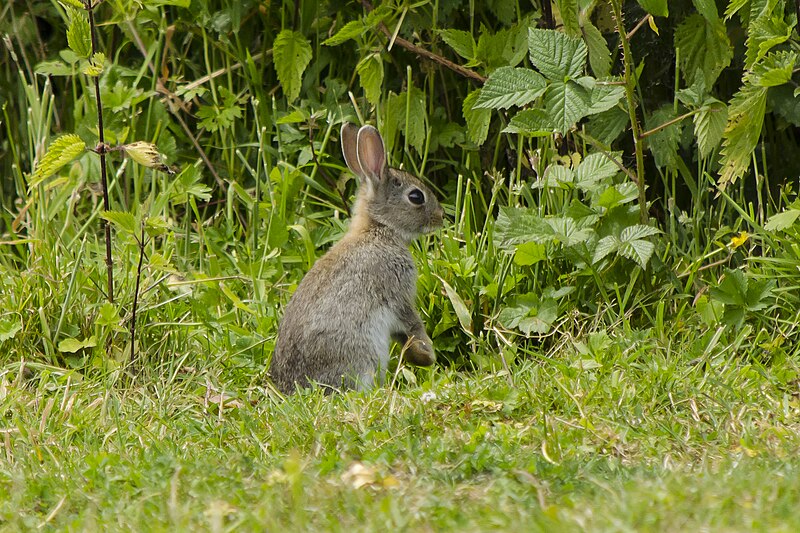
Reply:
x=648 y=437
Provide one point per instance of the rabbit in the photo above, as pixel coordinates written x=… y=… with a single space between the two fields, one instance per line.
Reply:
x=337 y=327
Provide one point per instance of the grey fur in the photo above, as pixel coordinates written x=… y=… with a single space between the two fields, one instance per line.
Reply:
x=337 y=326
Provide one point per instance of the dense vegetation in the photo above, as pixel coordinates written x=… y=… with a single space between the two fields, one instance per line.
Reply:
x=614 y=298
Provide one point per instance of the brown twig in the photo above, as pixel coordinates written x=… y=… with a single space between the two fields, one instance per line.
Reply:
x=101 y=150
x=427 y=54
x=667 y=124
x=638 y=25
x=141 y=243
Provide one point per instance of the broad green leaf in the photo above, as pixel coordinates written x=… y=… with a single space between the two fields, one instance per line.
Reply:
x=370 y=72
x=781 y=221
x=638 y=251
x=605 y=246
x=509 y=86
x=776 y=69
x=569 y=16
x=594 y=168
x=607 y=126
x=709 y=123
x=637 y=231
x=54 y=68
x=121 y=220
x=9 y=327
x=663 y=144
x=745 y=120
x=291 y=53
x=734 y=6
x=704 y=47
x=60 y=152
x=765 y=32
x=616 y=195
x=529 y=314
x=74 y=3
x=533 y=122
x=505 y=48
x=349 y=31
x=529 y=253
x=462 y=312
x=409 y=105
x=604 y=97
x=599 y=55
x=655 y=7
x=477 y=119
x=71 y=345
x=516 y=226
x=707 y=8
x=462 y=42
x=567 y=231
x=566 y=103
x=79 y=36
x=556 y=55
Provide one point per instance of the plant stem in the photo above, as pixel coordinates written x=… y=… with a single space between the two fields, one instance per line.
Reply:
x=101 y=150
x=136 y=296
x=630 y=97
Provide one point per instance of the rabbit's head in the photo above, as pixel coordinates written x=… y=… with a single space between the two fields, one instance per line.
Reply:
x=387 y=196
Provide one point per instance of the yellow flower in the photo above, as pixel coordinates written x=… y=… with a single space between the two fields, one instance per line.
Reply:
x=739 y=240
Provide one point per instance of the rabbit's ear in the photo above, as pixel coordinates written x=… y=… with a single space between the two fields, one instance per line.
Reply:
x=371 y=153
x=349 y=139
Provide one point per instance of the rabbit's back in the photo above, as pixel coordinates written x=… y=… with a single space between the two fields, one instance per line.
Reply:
x=336 y=329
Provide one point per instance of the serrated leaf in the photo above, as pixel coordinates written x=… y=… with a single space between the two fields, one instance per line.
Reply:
x=516 y=226
x=569 y=16
x=663 y=144
x=529 y=314
x=638 y=251
x=567 y=231
x=776 y=69
x=566 y=103
x=74 y=3
x=766 y=30
x=477 y=119
x=556 y=55
x=781 y=221
x=594 y=168
x=121 y=220
x=707 y=8
x=529 y=253
x=616 y=195
x=291 y=53
x=605 y=246
x=509 y=86
x=60 y=152
x=659 y=8
x=604 y=97
x=705 y=48
x=462 y=312
x=599 y=55
x=462 y=42
x=370 y=73
x=79 y=36
x=349 y=31
x=533 y=122
x=745 y=120
x=608 y=125
x=94 y=66
x=709 y=124
x=637 y=231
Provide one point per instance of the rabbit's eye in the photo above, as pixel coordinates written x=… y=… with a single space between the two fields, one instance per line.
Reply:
x=416 y=197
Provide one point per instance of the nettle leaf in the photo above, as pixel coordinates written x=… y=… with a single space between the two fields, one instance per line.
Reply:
x=566 y=103
x=291 y=53
x=121 y=220
x=529 y=253
x=596 y=167
x=517 y=225
x=663 y=144
x=707 y=8
x=657 y=8
x=776 y=69
x=604 y=97
x=477 y=119
x=351 y=30
x=60 y=152
x=509 y=86
x=462 y=42
x=533 y=122
x=599 y=55
x=705 y=48
x=709 y=124
x=79 y=36
x=556 y=55
x=781 y=221
x=745 y=120
x=765 y=32
x=370 y=73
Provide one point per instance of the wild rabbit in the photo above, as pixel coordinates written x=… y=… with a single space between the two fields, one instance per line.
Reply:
x=337 y=326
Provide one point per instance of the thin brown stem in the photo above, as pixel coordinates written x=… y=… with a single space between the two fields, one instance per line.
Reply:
x=667 y=124
x=141 y=243
x=101 y=150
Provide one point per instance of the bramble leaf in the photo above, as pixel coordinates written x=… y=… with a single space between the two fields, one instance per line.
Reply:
x=509 y=86
x=556 y=55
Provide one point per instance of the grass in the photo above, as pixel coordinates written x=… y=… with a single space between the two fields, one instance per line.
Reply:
x=648 y=437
